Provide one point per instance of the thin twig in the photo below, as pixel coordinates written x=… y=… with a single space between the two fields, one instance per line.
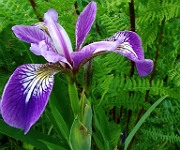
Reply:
x=33 y=4
x=132 y=28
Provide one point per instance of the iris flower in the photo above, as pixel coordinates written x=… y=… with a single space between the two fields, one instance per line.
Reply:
x=28 y=89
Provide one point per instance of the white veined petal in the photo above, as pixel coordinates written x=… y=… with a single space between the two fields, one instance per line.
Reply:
x=125 y=47
x=35 y=82
x=26 y=94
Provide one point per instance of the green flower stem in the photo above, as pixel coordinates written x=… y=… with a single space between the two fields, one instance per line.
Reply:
x=82 y=105
x=87 y=77
x=74 y=99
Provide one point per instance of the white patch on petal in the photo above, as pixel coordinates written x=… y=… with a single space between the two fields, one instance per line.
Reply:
x=126 y=48
x=116 y=36
x=35 y=81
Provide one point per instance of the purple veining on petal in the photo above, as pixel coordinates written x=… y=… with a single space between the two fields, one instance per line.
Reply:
x=41 y=43
x=59 y=36
x=135 y=42
x=31 y=34
x=88 y=51
x=26 y=95
x=144 y=67
x=127 y=43
x=43 y=49
x=84 y=23
x=131 y=48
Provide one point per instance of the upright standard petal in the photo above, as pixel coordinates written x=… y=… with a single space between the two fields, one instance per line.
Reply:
x=59 y=36
x=84 y=23
x=26 y=95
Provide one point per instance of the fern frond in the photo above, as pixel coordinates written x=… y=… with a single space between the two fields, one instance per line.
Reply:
x=3 y=23
x=18 y=13
x=138 y=84
x=148 y=33
x=112 y=5
x=115 y=131
x=133 y=101
x=158 y=135
x=174 y=75
x=173 y=119
x=115 y=23
x=157 y=10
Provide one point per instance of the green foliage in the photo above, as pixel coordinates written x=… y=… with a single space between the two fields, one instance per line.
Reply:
x=119 y=97
x=113 y=15
x=34 y=137
x=141 y=121
x=13 y=12
x=174 y=74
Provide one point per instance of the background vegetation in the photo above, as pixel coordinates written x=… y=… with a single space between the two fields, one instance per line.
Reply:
x=119 y=97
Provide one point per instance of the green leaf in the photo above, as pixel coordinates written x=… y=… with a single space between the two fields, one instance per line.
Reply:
x=99 y=142
x=79 y=138
x=52 y=146
x=61 y=114
x=34 y=138
x=141 y=121
x=60 y=99
x=58 y=122
x=87 y=118
x=102 y=125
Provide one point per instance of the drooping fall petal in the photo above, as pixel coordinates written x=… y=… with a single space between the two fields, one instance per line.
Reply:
x=131 y=48
x=144 y=67
x=26 y=95
x=126 y=43
x=84 y=23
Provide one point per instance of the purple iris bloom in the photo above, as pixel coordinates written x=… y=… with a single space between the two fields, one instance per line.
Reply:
x=28 y=89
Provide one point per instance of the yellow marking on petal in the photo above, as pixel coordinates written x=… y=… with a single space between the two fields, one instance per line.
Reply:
x=42 y=26
x=39 y=77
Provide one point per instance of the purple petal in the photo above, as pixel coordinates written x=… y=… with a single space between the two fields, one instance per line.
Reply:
x=26 y=95
x=48 y=53
x=91 y=50
x=59 y=36
x=144 y=67
x=41 y=43
x=54 y=57
x=30 y=34
x=84 y=23
x=131 y=48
